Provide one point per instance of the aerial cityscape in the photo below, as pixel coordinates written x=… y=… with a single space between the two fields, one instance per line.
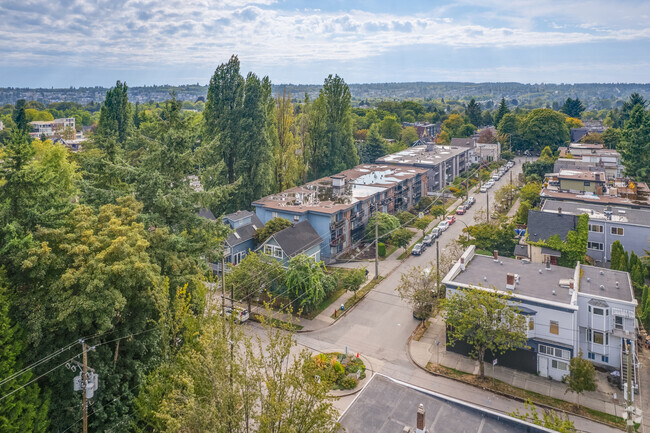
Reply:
x=280 y=216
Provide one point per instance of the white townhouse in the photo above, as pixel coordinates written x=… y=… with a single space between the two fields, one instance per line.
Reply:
x=567 y=309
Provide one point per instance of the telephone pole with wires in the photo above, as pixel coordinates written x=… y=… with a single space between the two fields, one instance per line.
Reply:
x=86 y=382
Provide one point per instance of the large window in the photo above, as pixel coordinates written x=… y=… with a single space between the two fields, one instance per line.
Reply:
x=595 y=228
x=531 y=323
x=598 y=246
x=618 y=231
x=618 y=322
x=554 y=327
x=598 y=311
x=554 y=351
x=274 y=251
x=599 y=337
x=559 y=365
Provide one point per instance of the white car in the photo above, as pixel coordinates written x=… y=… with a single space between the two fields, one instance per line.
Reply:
x=443 y=225
x=239 y=314
x=484 y=188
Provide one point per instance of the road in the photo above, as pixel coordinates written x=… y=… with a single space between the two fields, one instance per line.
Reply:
x=380 y=325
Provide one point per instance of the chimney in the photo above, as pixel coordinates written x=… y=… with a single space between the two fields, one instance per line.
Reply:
x=462 y=263
x=496 y=255
x=571 y=285
x=510 y=281
x=420 y=420
x=548 y=264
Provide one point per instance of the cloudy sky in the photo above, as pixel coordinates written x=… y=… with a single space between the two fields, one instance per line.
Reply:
x=96 y=42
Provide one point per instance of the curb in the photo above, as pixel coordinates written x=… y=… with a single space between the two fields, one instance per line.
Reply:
x=502 y=394
x=361 y=384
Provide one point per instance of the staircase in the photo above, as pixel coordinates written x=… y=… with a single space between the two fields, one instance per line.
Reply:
x=634 y=362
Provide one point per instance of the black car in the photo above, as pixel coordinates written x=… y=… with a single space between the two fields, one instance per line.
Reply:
x=418 y=249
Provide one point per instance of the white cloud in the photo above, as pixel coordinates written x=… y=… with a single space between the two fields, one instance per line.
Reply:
x=141 y=33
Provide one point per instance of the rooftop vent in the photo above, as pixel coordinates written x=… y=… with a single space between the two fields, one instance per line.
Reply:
x=617 y=285
x=495 y=253
x=539 y=270
x=602 y=287
x=602 y=272
x=553 y=292
x=588 y=279
x=484 y=278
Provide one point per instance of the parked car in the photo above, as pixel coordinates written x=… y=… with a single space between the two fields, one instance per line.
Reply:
x=460 y=210
x=495 y=177
x=484 y=188
x=471 y=200
x=428 y=240
x=490 y=184
x=451 y=219
x=511 y=164
x=436 y=232
x=418 y=249
x=239 y=314
x=443 y=225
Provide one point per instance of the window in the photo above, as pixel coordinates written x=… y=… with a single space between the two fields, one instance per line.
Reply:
x=531 y=324
x=559 y=365
x=591 y=355
x=598 y=246
x=618 y=231
x=587 y=183
x=604 y=358
x=554 y=328
x=274 y=251
x=599 y=337
x=595 y=228
x=296 y=218
x=618 y=322
x=598 y=311
x=588 y=335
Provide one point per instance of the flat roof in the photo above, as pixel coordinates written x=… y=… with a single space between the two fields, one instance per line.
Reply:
x=624 y=215
x=582 y=175
x=361 y=182
x=387 y=406
x=592 y=278
x=421 y=157
x=482 y=271
x=553 y=193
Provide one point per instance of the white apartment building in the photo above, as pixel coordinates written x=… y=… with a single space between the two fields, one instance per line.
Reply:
x=50 y=128
x=566 y=309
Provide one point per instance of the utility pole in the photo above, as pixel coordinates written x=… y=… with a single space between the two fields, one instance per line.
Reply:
x=437 y=269
x=487 y=196
x=510 y=191
x=376 y=243
x=84 y=384
x=223 y=285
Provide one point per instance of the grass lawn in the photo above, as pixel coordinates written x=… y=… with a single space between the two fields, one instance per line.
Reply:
x=277 y=323
x=390 y=249
x=507 y=389
x=324 y=303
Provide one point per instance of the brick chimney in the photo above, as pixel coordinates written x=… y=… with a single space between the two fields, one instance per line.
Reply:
x=510 y=281
x=462 y=263
x=420 y=422
x=496 y=255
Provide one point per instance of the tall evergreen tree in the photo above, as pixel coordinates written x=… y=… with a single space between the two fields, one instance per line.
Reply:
x=285 y=150
x=25 y=410
x=635 y=144
x=19 y=117
x=502 y=111
x=115 y=118
x=374 y=147
x=573 y=108
x=473 y=112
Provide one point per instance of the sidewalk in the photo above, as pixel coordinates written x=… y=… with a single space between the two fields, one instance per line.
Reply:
x=431 y=349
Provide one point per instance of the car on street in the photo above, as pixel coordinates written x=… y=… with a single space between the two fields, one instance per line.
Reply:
x=239 y=314
x=460 y=210
x=471 y=200
x=484 y=188
x=451 y=219
x=490 y=184
x=436 y=232
x=511 y=164
x=443 y=225
x=495 y=177
x=428 y=240
x=418 y=249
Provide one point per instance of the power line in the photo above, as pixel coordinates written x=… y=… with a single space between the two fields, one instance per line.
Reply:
x=37 y=363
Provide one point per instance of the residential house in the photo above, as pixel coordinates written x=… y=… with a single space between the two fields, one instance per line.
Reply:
x=607 y=224
x=479 y=152
x=582 y=181
x=387 y=405
x=50 y=128
x=590 y=157
x=566 y=309
x=542 y=226
x=339 y=206
x=442 y=163
x=300 y=238
x=578 y=133
x=424 y=129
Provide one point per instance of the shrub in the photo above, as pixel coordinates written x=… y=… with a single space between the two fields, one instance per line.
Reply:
x=382 y=249
x=349 y=382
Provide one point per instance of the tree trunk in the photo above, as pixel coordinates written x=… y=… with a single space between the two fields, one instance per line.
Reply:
x=481 y=363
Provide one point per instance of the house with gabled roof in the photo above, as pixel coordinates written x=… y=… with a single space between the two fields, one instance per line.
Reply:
x=300 y=238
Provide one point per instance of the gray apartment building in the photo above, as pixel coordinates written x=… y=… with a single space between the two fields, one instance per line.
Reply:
x=608 y=224
x=443 y=163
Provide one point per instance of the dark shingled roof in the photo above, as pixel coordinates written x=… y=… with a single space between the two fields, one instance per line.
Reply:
x=521 y=250
x=245 y=232
x=297 y=238
x=543 y=225
x=240 y=214
x=385 y=405
x=462 y=142
x=205 y=213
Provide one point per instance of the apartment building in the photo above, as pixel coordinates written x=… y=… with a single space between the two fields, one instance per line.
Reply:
x=50 y=128
x=590 y=157
x=608 y=224
x=339 y=206
x=617 y=192
x=442 y=163
x=566 y=309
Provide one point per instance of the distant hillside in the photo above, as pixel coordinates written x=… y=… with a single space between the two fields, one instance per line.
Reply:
x=594 y=95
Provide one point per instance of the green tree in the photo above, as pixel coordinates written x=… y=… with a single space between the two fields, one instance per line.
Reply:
x=408 y=136
x=473 y=112
x=582 y=376
x=307 y=281
x=509 y=131
x=285 y=152
x=22 y=410
x=19 y=117
x=616 y=254
x=374 y=146
x=502 y=111
x=385 y=224
x=611 y=138
x=422 y=224
x=530 y=193
x=419 y=288
x=550 y=419
x=438 y=211
x=485 y=319
x=635 y=144
x=401 y=237
x=544 y=127
x=492 y=236
x=257 y=273
x=353 y=279
x=390 y=128
x=273 y=226
x=573 y=108
x=115 y=118
x=521 y=217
